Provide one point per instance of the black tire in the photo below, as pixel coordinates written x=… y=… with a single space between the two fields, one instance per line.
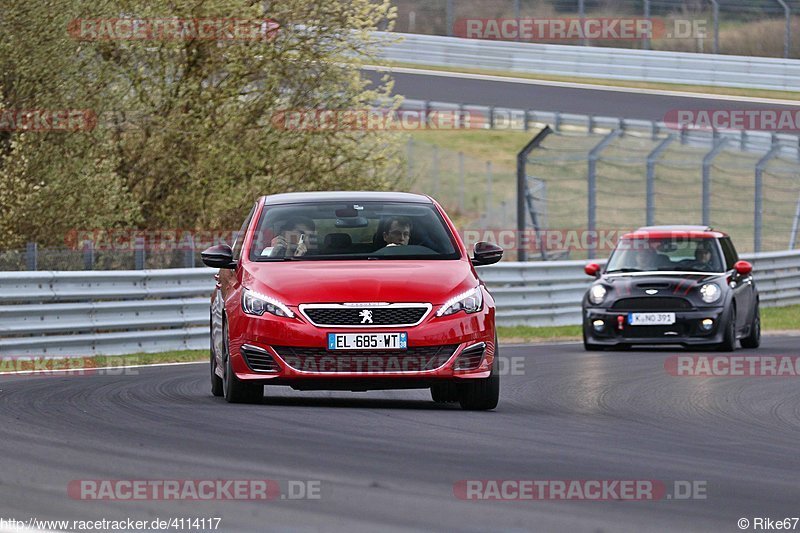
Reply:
x=235 y=390
x=444 y=393
x=216 y=381
x=753 y=339
x=482 y=394
x=728 y=343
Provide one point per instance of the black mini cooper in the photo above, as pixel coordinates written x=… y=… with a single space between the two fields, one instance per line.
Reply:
x=672 y=285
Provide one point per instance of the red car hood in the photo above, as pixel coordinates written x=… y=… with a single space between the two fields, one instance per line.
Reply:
x=298 y=282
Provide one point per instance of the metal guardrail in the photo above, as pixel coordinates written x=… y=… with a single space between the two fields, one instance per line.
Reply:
x=594 y=62
x=121 y=312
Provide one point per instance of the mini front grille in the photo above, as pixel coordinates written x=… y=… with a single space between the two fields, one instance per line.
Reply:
x=470 y=358
x=259 y=360
x=417 y=359
x=365 y=316
x=652 y=303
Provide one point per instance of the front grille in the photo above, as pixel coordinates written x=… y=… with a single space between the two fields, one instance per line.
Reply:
x=354 y=316
x=652 y=303
x=259 y=360
x=415 y=359
x=471 y=358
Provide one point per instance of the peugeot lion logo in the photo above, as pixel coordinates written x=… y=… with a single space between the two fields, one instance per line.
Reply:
x=366 y=316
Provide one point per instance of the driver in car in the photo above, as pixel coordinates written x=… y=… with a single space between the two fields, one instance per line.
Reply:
x=296 y=238
x=397 y=232
x=702 y=257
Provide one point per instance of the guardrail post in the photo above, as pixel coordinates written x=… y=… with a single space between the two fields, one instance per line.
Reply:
x=527 y=119
x=188 y=251
x=787 y=38
x=138 y=254
x=590 y=126
x=491 y=117
x=557 y=121
x=88 y=255
x=582 y=16
x=522 y=190
x=651 y=177
x=449 y=17
x=795 y=223
x=32 y=256
x=707 y=160
x=759 y=197
x=645 y=37
x=594 y=155
x=715 y=15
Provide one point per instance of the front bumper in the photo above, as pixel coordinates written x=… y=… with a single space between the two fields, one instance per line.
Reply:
x=686 y=331
x=437 y=350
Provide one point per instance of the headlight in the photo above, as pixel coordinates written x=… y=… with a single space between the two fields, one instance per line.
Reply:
x=255 y=303
x=596 y=294
x=710 y=292
x=469 y=302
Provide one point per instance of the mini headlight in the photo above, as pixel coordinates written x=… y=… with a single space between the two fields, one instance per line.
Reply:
x=255 y=303
x=469 y=302
x=710 y=292
x=596 y=294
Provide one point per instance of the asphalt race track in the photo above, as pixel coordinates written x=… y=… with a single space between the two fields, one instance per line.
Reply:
x=581 y=101
x=388 y=461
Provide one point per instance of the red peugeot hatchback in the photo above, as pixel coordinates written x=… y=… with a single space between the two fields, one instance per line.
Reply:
x=352 y=291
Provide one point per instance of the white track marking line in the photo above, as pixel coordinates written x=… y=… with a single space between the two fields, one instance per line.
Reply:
x=589 y=86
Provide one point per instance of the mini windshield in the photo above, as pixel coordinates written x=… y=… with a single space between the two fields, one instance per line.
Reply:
x=667 y=254
x=354 y=230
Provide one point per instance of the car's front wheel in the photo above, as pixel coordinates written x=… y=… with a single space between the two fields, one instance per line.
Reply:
x=481 y=394
x=234 y=389
x=216 y=381
x=753 y=339
x=728 y=343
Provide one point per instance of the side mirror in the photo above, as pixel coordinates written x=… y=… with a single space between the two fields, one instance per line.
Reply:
x=486 y=253
x=743 y=268
x=592 y=269
x=219 y=256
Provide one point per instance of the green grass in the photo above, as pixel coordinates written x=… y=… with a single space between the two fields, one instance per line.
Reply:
x=730 y=91
x=781 y=318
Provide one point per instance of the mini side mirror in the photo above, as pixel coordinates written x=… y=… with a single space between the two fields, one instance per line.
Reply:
x=592 y=269
x=743 y=268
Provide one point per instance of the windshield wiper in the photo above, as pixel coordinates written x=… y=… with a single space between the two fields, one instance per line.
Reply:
x=624 y=270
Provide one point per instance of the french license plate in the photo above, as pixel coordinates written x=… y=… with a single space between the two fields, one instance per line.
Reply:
x=651 y=319
x=367 y=341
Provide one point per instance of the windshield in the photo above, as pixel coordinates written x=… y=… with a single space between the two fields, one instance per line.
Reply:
x=668 y=254
x=347 y=231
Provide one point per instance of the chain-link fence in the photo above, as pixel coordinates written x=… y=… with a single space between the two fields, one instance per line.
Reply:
x=741 y=27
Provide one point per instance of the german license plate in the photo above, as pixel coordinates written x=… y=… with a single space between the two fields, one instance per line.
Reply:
x=367 y=341
x=651 y=319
